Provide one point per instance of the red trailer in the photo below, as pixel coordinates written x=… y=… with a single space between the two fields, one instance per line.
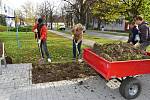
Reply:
x=124 y=71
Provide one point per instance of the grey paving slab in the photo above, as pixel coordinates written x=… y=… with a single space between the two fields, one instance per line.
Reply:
x=92 y=88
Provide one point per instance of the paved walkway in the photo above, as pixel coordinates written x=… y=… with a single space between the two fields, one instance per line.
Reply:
x=16 y=84
x=85 y=41
x=13 y=78
x=108 y=36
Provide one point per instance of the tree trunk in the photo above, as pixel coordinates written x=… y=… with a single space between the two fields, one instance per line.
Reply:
x=87 y=20
x=46 y=19
x=93 y=23
x=20 y=21
x=82 y=16
x=99 y=24
x=82 y=19
x=51 y=19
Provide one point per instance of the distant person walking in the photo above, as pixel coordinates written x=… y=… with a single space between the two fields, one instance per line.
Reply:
x=143 y=32
x=77 y=34
x=41 y=31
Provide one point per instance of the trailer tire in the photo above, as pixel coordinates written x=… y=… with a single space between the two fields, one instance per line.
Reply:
x=130 y=88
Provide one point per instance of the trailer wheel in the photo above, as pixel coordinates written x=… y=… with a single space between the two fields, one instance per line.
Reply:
x=130 y=88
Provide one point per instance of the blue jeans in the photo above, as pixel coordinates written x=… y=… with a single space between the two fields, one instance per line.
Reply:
x=75 y=50
x=43 y=47
x=144 y=45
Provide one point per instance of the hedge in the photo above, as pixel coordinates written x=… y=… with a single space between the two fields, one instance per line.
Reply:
x=3 y=28
x=22 y=29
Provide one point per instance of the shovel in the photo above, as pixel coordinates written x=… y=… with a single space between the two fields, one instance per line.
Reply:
x=76 y=47
x=80 y=60
x=41 y=60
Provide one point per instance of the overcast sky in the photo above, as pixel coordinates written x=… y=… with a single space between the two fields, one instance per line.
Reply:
x=17 y=3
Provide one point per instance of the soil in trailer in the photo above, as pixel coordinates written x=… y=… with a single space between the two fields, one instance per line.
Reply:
x=119 y=52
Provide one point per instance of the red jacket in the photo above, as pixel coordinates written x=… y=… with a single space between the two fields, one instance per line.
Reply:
x=43 y=33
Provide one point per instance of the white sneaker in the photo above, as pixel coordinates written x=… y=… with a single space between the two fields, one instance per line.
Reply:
x=49 y=60
x=80 y=60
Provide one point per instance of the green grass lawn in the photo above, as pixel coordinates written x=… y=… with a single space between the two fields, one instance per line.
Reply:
x=99 y=39
x=60 y=48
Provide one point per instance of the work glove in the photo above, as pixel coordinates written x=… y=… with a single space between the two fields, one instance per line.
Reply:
x=76 y=44
x=137 y=45
x=35 y=30
x=80 y=60
x=39 y=41
x=72 y=36
x=131 y=43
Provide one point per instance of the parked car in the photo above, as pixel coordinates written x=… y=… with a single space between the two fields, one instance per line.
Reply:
x=61 y=26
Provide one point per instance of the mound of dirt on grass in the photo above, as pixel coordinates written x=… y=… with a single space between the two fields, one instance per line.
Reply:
x=60 y=71
x=118 y=52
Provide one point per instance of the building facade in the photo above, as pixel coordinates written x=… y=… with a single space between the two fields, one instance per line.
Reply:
x=8 y=12
x=119 y=25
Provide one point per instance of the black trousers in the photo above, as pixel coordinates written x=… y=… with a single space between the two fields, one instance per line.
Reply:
x=78 y=47
x=43 y=47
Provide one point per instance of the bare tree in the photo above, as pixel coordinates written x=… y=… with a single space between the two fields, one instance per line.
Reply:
x=80 y=8
x=47 y=9
x=28 y=11
x=19 y=16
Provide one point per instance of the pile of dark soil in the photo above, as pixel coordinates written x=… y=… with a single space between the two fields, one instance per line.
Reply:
x=60 y=71
x=118 y=52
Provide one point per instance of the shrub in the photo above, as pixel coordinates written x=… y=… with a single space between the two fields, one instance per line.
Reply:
x=2 y=20
x=22 y=29
x=3 y=28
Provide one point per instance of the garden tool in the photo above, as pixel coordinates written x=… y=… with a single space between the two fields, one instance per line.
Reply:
x=137 y=45
x=79 y=59
x=41 y=60
x=76 y=47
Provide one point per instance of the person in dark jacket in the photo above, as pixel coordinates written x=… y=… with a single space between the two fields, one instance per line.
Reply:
x=133 y=33
x=41 y=29
x=143 y=32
